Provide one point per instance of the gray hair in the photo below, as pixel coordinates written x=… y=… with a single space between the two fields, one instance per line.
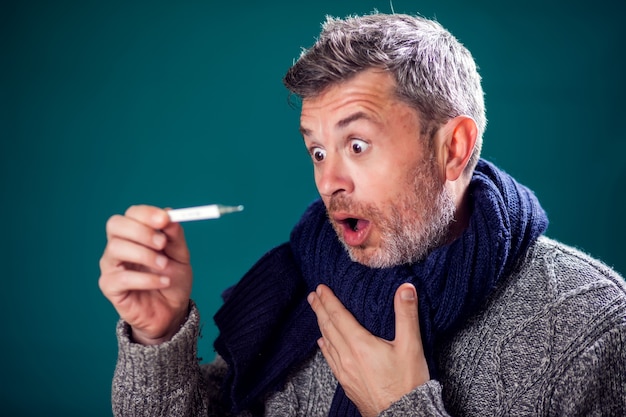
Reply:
x=434 y=72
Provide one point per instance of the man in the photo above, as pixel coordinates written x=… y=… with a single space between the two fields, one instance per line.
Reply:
x=420 y=283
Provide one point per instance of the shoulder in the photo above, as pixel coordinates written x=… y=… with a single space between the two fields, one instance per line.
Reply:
x=560 y=316
x=556 y=295
x=561 y=287
x=579 y=266
x=557 y=272
x=577 y=326
x=557 y=307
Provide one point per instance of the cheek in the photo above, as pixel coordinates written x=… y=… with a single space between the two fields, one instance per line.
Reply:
x=317 y=177
x=380 y=189
x=383 y=182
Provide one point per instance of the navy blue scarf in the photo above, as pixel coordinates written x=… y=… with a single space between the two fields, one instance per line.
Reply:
x=267 y=327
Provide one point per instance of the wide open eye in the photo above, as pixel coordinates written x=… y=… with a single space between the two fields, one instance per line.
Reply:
x=358 y=145
x=318 y=154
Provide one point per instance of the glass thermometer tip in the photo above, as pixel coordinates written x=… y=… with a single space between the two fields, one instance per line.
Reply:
x=229 y=209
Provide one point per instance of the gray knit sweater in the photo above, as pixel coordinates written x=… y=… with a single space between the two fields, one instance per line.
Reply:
x=551 y=341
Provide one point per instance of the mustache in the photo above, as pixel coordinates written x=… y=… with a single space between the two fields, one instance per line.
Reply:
x=342 y=203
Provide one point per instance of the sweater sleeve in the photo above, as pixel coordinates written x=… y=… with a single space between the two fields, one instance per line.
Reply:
x=167 y=379
x=425 y=400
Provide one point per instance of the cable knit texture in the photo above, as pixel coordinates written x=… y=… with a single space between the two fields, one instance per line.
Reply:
x=550 y=341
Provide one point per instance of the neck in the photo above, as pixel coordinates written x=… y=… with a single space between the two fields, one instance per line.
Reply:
x=458 y=191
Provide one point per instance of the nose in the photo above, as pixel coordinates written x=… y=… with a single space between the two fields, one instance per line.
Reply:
x=333 y=177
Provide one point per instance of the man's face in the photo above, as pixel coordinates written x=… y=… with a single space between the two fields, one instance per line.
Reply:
x=381 y=185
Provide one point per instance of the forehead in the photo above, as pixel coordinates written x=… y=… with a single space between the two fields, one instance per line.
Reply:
x=370 y=88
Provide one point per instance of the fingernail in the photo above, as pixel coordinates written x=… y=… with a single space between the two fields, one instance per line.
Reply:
x=161 y=261
x=159 y=240
x=165 y=281
x=158 y=218
x=309 y=298
x=407 y=295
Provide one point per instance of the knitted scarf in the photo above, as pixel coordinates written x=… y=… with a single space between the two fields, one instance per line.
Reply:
x=267 y=327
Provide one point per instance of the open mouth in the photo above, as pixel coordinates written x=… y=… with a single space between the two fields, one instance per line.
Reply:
x=352 y=223
x=352 y=230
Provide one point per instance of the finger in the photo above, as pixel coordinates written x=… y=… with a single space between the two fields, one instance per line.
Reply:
x=172 y=240
x=329 y=354
x=121 y=282
x=336 y=323
x=341 y=317
x=176 y=247
x=131 y=229
x=407 y=318
x=154 y=217
x=324 y=321
x=120 y=251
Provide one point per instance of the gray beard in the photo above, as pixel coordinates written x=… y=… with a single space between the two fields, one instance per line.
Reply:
x=412 y=239
x=418 y=223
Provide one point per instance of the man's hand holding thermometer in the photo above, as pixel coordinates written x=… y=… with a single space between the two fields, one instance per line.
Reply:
x=145 y=269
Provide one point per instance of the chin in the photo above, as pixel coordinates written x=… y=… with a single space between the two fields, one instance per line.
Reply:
x=358 y=254
x=387 y=257
x=370 y=257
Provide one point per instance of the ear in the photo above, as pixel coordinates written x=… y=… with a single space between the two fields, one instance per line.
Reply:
x=455 y=145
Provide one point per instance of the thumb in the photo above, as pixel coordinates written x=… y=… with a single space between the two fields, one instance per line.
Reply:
x=407 y=319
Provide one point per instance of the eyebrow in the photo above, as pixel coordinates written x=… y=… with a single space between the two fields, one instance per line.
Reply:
x=341 y=124
x=353 y=117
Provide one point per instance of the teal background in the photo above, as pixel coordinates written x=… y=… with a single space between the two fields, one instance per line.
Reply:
x=108 y=104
